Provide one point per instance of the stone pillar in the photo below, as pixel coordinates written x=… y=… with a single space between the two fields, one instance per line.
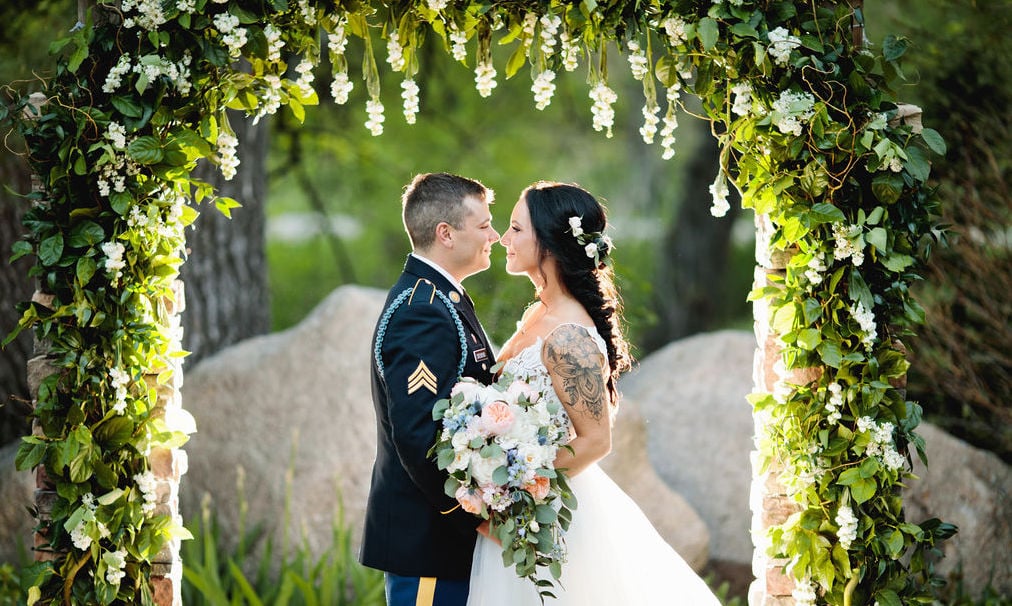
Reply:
x=167 y=465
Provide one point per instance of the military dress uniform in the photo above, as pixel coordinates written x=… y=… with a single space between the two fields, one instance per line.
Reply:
x=427 y=337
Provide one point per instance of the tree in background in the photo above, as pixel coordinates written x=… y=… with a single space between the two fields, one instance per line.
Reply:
x=961 y=369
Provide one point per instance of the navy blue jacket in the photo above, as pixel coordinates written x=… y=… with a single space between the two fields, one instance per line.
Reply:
x=417 y=357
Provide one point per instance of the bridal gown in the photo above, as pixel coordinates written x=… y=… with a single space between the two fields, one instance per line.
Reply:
x=614 y=555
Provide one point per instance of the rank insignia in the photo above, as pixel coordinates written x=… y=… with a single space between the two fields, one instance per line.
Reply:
x=454 y=296
x=421 y=377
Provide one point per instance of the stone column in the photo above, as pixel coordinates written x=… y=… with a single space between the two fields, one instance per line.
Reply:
x=769 y=502
x=167 y=465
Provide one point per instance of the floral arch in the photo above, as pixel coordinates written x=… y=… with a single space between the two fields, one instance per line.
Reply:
x=810 y=132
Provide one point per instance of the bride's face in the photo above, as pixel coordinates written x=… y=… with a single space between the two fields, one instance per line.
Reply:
x=520 y=242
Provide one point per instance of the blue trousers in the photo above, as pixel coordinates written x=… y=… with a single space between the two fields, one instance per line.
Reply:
x=425 y=591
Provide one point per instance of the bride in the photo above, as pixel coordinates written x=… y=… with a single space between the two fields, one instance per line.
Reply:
x=571 y=339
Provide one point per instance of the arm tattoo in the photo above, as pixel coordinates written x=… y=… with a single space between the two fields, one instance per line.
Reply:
x=575 y=362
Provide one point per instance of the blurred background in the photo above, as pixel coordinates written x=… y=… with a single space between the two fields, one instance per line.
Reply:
x=321 y=205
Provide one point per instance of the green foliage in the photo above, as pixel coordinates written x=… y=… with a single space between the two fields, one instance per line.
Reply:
x=261 y=573
x=810 y=133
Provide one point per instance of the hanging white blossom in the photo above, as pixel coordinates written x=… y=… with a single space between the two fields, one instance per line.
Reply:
x=549 y=30
x=341 y=87
x=604 y=114
x=374 y=108
x=484 y=78
x=781 y=45
x=458 y=42
x=637 y=60
x=409 y=95
x=570 y=52
x=395 y=52
x=227 y=158
x=650 y=122
x=543 y=89
x=719 y=191
x=274 y=43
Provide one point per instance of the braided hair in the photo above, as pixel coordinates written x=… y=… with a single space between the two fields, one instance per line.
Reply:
x=582 y=252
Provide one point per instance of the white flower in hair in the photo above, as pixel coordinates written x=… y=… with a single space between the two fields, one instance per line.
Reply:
x=591 y=249
x=576 y=225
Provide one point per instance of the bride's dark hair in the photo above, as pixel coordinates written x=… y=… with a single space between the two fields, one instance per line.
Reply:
x=589 y=278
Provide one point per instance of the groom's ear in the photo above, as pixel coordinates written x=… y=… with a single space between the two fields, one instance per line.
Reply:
x=444 y=234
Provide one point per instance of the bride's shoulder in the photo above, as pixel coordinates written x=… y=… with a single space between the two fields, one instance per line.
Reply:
x=570 y=338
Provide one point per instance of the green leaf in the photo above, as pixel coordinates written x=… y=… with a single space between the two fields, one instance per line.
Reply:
x=897 y=262
x=225 y=205
x=501 y=475
x=863 y=490
x=78 y=56
x=666 y=71
x=823 y=212
x=20 y=249
x=86 y=268
x=120 y=202
x=888 y=597
x=893 y=47
x=708 y=31
x=858 y=289
x=887 y=187
x=516 y=61
x=809 y=338
x=127 y=106
x=146 y=150
x=934 y=141
x=51 y=249
x=917 y=164
x=30 y=453
x=830 y=354
x=86 y=233
x=879 y=238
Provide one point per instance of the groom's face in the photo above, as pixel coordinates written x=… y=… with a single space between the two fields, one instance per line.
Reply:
x=472 y=243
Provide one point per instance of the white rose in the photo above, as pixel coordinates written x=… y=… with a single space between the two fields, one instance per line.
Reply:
x=461 y=459
x=482 y=468
x=470 y=388
x=576 y=225
x=591 y=250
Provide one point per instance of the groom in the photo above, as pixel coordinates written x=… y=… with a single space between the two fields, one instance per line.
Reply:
x=426 y=338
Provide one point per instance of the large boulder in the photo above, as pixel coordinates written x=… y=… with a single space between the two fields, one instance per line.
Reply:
x=699 y=426
x=297 y=405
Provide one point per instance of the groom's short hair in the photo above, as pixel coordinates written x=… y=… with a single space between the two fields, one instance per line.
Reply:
x=434 y=198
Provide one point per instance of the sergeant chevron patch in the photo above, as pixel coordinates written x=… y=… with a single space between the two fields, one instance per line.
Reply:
x=422 y=377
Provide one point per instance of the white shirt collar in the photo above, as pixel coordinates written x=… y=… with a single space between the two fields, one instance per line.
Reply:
x=442 y=271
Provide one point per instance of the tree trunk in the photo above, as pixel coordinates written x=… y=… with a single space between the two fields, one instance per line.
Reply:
x=690 y=282
x=15 y=287
x=225 y=274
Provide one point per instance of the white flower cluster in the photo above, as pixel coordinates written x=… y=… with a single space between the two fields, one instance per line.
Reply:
x=150 y=14
x=866 y=318
x=161 y=220
x=233 y=36
x=114 y=262
x=227 y=159
x=437 y=5
x=816 y=268
x=781 y=45
x=849 y=243
x=650 y=122
x=337 y=41
x=113 y=175
x=570 y=52
x=120 y=381
x=458 y=42
x=604 y=114
x=530 y=22
x=186 y=6
x=154 y=66
x=549 y=30
x=409 y=93
x=374 y=108
x=670 y=123
x=306 y=77
x=742 y=104
x=835 y=403
x=274 y=43
x=847 y=523
x=543 y=89
x=674 y=27
x=115 y=565
x=484 y=78
x=804 y=592
x=80 y=535
x=116 y=134
x=308 y=12
x=719 y=191
x=881 y=444
x=341 y=87
x=637 y=60
x=791 y=110
x=148 y=486
x=395 y=52
x=115 y=77
x=270 y=98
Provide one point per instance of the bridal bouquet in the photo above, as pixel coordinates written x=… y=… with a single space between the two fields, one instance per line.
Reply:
x=498 y=444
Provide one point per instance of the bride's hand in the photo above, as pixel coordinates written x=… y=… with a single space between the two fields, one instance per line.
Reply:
x=485 y=530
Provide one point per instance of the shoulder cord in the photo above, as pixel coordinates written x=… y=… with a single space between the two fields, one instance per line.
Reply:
x=385 y=320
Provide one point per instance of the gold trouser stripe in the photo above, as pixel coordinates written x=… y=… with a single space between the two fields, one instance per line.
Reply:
x=426 y=591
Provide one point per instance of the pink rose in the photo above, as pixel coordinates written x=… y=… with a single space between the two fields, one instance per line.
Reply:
x=539 y=487
x=469 y=501
x=497 y=417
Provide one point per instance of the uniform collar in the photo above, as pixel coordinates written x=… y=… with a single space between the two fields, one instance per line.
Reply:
x=453 y=282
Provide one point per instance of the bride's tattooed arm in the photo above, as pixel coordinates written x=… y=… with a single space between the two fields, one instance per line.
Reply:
x=575 y=363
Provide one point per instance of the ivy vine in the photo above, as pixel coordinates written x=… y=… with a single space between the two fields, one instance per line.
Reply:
x=807 y=120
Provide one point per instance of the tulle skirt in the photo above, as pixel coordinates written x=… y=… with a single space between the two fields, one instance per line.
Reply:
x=615 y=557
